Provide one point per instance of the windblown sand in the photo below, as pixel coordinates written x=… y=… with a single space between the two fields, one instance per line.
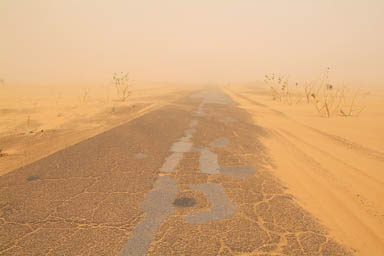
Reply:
x=334 y=166
x=36 y=121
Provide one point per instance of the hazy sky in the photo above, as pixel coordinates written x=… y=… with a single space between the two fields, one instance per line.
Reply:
x=85 y=41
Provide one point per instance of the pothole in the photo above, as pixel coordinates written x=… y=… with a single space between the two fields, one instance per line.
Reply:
x=32 y=178
x=184 y=202
x=222 y=207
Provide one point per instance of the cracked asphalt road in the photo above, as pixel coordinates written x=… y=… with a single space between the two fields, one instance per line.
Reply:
x=114 y=194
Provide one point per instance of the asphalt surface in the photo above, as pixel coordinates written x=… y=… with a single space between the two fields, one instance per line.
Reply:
x=187 y=179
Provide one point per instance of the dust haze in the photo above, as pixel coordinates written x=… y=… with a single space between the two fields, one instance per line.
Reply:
x=275 y=147
x=84 y=42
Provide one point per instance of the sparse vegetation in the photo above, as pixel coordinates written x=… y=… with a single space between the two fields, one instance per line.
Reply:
x=275 y=85
x=281 y=89
x=329 y=100
x=308 y=91
x=349 y=105
x=85 y=96
x=29 y=130
x=326 y=100
x=325 y=97
x=123 y=84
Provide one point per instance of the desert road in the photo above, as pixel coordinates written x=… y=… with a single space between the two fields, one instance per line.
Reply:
x=189 y=178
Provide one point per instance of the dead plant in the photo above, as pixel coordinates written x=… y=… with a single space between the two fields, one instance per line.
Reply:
x=282 y=90
x=122 y=84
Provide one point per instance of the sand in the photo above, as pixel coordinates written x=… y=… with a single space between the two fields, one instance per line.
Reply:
x=36 y=121
x=333 y=166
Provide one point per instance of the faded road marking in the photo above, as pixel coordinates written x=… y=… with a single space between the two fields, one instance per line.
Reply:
x=181 y=146
x=220 y=142
x=157 y=207
x=228 y=120
x=171 y=162
x=208 y=161
x=140 y=156
x=193 y=123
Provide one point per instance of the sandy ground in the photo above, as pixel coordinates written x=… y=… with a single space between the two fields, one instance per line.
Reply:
x=189 y=178
x=36 y=121
x=333 y=166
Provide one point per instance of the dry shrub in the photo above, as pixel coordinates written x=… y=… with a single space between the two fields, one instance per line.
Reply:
x=329 y=100
x=325 y=97
x=85 y=95
x=282 y=90
x=123 y=84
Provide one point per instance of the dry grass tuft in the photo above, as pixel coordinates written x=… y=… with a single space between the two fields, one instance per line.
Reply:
x=122 y=84
x=327 y=99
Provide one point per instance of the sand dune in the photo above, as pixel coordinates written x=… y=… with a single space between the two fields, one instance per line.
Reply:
x=333 y=166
